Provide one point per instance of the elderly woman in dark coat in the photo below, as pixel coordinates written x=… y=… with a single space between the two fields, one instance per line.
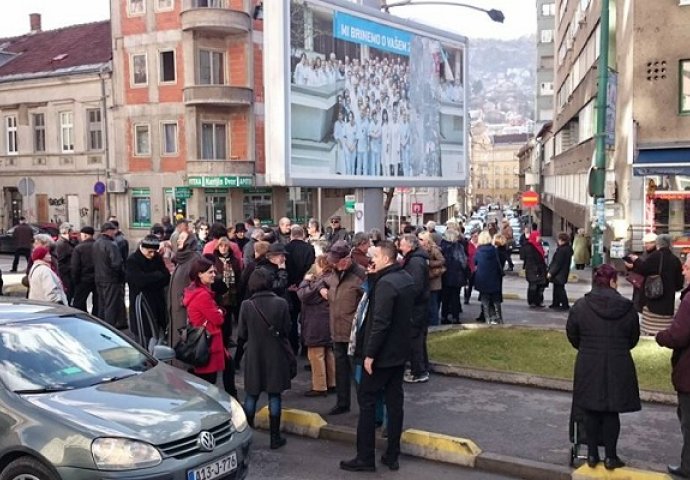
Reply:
x=532 y=254
x=455 y=276
x=264 y=325
x=316 y=329
x=603 y=326
x=185 y=255
x=488 y=279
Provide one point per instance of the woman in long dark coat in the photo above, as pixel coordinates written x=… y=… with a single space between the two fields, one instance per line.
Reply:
x=603 y=326
x=532 y=254
x=264 y=325
x=488 y=279
x=455 y=276
x=187 y=252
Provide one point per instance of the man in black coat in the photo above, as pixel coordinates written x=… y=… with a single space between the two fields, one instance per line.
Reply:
x=558 y=272
x=416 y=263
x=300 y=258
x=110 y=278
x=120 y=240
x=337 y=232
x=147 y=274
x=82 y=271
x=383 y=341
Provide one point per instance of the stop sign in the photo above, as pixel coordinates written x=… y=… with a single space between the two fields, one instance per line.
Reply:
x=530 y=199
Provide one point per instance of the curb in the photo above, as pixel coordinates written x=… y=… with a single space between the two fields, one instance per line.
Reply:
x=585 y=473
x=443 y=448
x=535 y=381
x=448 y=449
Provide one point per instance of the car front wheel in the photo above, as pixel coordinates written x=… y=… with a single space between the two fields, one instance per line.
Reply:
x=26 y=468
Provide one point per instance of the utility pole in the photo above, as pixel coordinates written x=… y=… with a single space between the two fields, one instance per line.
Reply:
x=597 y=175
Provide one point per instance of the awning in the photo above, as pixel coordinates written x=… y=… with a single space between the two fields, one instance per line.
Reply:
x=663 y=161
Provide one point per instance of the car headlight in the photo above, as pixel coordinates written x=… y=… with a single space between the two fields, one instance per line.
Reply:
x=123 y=454
x=239 y=419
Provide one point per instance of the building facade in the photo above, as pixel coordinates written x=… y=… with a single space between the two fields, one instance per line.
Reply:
x=494 y=167
x=546 y=24
x=54 y=95
x=647 y=128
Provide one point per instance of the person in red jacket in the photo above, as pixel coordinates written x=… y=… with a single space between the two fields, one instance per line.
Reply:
x=677 y=337
x=202 y=310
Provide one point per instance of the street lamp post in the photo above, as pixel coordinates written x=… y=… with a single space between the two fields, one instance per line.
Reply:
x=495 y=15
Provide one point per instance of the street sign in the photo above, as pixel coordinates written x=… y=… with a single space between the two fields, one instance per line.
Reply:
x=417 y=208
x=349 y=204
x=26 y=186
x=530 y=199
x=99 y=188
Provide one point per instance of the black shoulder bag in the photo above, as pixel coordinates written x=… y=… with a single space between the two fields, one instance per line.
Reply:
x=653 y=284
x=282 y=340
x=194 y=346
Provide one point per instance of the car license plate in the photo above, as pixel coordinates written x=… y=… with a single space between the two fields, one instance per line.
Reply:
x=214 y=469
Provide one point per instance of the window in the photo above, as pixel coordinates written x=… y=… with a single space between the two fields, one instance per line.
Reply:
x=142 y=140
x=39 y=122
x=95 y=127
x=139 y=69
x=211 y=68
x=167 y=66
x=136 y=7
x=67 y=132
x=163 y=5
x=213 y=141
x=546 y=36
x=169 y=138
x=141 y=207
x=11 y=129
x=548 y=9
x=546 y=88
x=685 y=86
x=209 y=3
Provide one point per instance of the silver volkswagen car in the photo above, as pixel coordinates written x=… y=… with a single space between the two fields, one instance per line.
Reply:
x=79 y=401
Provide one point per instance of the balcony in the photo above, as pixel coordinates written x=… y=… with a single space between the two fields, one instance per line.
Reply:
x=218 y=96
x=214 y=16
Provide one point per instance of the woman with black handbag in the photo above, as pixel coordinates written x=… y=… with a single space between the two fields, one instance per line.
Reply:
x=532 y=254
x=203 y=312
x=269 y=364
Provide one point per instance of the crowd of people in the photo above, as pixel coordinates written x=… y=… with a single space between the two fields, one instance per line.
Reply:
x=359 y=308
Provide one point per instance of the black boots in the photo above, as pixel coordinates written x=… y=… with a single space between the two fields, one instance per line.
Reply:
x=276 y=440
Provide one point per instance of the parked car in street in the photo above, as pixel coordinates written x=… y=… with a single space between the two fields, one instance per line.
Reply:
x=7 y=243
x=80 y=401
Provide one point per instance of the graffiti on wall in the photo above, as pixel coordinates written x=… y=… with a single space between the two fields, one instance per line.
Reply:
x=57 y=210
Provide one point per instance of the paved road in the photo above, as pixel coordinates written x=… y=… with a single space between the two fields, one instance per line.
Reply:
x=523 y=422
x=304 y=458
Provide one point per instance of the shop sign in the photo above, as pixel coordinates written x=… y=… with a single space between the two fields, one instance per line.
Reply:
x=180 y=192
x=217 y=191
x=223 y=181
x=671 y=195
x=267 y=222
x=617 y=249
x=349 y=204
x=250 y=191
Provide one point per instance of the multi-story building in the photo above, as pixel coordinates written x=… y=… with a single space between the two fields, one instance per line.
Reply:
x=647 y=130
x=54 y=95
x=494 y=167
x=546 y=14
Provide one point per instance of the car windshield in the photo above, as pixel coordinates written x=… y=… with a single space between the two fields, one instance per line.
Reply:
x=63 y=353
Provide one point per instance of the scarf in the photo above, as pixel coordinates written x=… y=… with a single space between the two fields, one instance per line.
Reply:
x=535 y=243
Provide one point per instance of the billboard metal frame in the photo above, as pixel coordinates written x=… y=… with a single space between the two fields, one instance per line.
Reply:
x=277 y=84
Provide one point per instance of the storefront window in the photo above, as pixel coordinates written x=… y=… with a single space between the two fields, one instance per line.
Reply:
x=141 y=207
x=685 y=86
x=668 y=199
x=176 y=204
x=300 y=207
x=257 y=203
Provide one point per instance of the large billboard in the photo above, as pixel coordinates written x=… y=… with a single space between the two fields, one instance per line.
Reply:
x=358 y=98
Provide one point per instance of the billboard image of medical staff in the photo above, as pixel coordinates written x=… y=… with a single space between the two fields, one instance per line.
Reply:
x=369 y=99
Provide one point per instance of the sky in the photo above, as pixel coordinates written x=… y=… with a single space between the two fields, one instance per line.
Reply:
x=520 y=16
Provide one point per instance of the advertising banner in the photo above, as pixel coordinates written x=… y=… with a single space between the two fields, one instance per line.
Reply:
x=369 y=100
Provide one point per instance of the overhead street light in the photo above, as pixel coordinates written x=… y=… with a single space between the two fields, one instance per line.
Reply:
x=495 y=15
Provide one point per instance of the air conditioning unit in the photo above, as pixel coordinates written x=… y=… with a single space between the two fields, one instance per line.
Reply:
x=117 y=185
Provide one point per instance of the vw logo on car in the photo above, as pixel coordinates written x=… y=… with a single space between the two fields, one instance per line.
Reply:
x=206 y=441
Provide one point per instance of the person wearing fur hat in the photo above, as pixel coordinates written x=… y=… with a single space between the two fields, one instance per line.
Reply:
x=44 y=283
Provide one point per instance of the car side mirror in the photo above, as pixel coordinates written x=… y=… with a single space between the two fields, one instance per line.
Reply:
x=163 y=353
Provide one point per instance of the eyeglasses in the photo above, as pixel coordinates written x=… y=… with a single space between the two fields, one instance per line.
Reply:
x=335 y=221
